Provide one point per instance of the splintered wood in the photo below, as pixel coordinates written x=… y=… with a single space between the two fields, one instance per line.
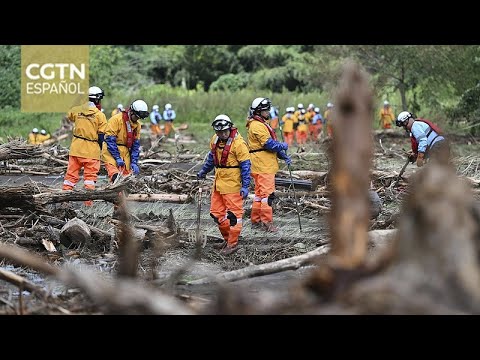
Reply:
x=350 y=171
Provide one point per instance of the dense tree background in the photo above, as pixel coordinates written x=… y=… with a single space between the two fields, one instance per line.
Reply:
x=441 y=79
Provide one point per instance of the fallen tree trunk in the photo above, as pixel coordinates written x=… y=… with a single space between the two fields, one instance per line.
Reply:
x=30 y=172
x=53 y=158
x=22 y=283
x=292 y=263
x=121 y=296
x=309 y=174
x=54 y=139
x=107 y=194
x=298 y=183
x=175 y=198
x=24 y=197
x=377 y=239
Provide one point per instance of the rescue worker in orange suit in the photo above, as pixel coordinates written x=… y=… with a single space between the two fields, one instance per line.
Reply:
x=386 y=116
x=88 y=133
x=34 y=137
x=302 y=130
x=309 y=117
x=425 y=137
x=264 y=151
x=155 y=118
x=44 y=136
x=230 y=157
x=287 y=125
x=328 y=119
x=117 y=110
x=122 y=138
x=316 y=125
x=274 y=118
x=169 y=116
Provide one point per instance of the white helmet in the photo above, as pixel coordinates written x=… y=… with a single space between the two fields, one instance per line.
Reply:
x=403 y=118
x=120 y=107
x=317 y=110
x=94 y=92
x=300 y=106
x=140 y=108
x=291 y=109
x=222 y=122
x=43 y=132
x=386 y=102
x=260 y=104
x=311 y=106
x=168 y=106
x=329 y=105
x=287 y=109
x=155 y=107
x=35 y=130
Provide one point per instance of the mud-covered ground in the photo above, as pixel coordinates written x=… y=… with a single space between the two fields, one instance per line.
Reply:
x=159 y=265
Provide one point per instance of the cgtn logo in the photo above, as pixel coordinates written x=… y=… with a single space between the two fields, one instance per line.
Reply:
x=55 y=78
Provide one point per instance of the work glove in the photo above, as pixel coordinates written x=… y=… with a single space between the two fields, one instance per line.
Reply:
x=201 y=174
x=120 y=162
x=420 y=159
x=288 y=160
x=274 y=145
x=282 y=155
x=135 y=168
x=244 y=192
x=207 y=167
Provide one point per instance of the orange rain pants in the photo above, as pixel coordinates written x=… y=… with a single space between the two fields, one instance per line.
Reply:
x=90 y=174
x=301 y=137
x=288 y=136
x=264 y=186
x=220 y=204
x=168 y=127
x=155 y=129
x=314 y=130
x=329 y=130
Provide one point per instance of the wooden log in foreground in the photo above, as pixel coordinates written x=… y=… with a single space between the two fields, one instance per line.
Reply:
x=349 y=217
x=22 y=283
x=120 y=296
x=380 y=239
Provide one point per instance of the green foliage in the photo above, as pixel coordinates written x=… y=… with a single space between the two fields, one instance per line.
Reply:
x=232 y=82
x=467 y=113
x=206 y=63
x=19 y=124
x=10 y=76
x=425 y=79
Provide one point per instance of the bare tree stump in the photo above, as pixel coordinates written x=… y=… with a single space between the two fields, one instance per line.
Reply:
x=352 y=159
x=375 y=204
x=75 y=233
